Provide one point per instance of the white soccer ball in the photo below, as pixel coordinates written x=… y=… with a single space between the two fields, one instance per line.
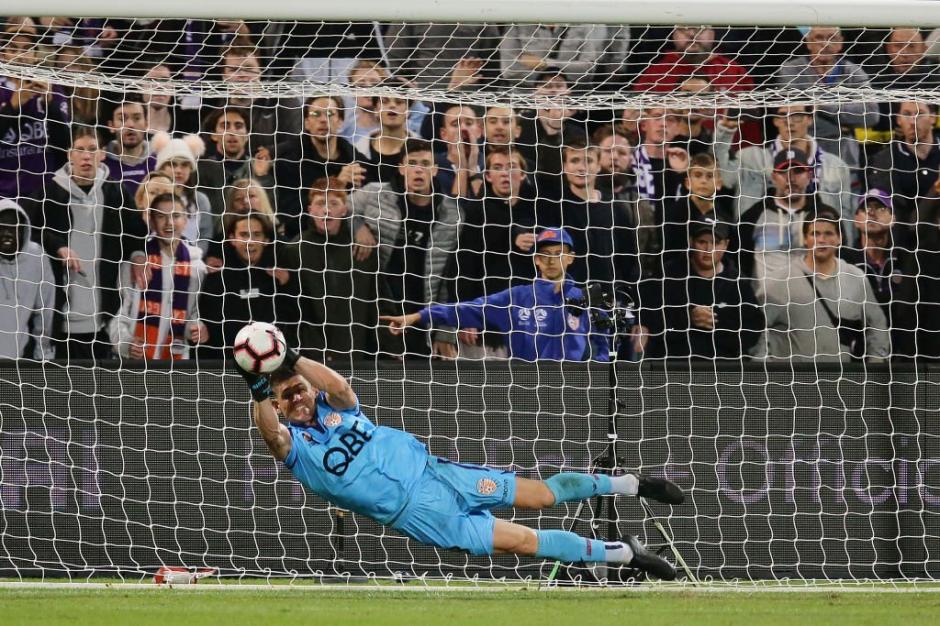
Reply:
x=259 y=348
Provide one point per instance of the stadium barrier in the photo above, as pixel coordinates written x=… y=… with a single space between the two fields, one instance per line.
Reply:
x=794 y=472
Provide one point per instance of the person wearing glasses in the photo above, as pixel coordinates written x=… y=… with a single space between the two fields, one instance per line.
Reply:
x=748 y=173
x=319 y=152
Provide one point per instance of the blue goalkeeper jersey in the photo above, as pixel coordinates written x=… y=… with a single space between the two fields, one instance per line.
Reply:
x=354 y=464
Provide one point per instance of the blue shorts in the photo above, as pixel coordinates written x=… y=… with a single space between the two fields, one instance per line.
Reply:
x=450 y=507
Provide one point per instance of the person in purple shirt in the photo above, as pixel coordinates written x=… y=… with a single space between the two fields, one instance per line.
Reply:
x=34 y=122
x=129 y=157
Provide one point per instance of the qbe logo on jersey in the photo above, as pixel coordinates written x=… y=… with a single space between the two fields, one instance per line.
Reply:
x=486 y=486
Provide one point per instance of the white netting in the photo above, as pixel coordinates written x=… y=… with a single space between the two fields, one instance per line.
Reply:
x=332 y=173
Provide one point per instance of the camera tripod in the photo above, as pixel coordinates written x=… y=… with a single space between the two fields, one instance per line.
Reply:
x=608 y=462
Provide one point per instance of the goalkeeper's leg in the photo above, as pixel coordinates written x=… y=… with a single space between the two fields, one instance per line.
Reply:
x=510 y=538
x=568 y=486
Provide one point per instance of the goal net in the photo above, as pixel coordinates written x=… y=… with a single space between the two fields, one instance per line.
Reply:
x=709 y=253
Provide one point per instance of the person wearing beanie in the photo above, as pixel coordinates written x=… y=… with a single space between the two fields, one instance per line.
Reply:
x=177 y=158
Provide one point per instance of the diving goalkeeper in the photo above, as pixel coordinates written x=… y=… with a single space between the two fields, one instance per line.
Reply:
x=334 y=450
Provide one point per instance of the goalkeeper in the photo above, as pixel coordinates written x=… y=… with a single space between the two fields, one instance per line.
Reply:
x=334 y=450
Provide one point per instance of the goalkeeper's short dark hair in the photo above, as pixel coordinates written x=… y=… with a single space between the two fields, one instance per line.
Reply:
x=281 y=375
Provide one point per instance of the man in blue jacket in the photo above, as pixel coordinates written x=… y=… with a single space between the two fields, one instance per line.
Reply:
x=535 y=317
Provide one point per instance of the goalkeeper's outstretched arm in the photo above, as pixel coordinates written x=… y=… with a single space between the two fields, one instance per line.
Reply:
x=274 y=433
x=339 y=393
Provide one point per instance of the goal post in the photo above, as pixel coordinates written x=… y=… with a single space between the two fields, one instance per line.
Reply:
x=798 y=413
x=874 y=13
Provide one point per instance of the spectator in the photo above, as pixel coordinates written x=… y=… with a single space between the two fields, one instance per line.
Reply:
x=324 y=52
x=153 y=185
x=527 y=50
x=615 y=158
x=248 y=287
x=592 y=223
x=657 y=168
x=34 y=119
x=128 y=157
x=230 y=160
x=161 y=321
x=702 y=308
x=694 y=53
x=415 y=231
x=771 y=229
x=701 y=200
x=544 y=131
x=318 y=153
x=537 y=319
x=177 y=159
x=890 y=268
x=926 y=299
x=81 y=221
x=361 y=117
x=460 y=130
x=616 y=181
x=825 y=66
x=497 y=235
x=246 y=195
x=271 y=120
x=426 y=55
x=339 y=291
x=690 y=129
x=189 y=47
x=907 y=167
x=385 y=147
x=749 y=172
x=83 y=100
x=820 y=308
x=501 y=126
x=163 y=114
x=229 y=131
x=904 y=64
x=28 y=295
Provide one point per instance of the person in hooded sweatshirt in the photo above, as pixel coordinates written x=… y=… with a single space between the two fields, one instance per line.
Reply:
x=83 y=222
x=27 y=291
x=248 y=287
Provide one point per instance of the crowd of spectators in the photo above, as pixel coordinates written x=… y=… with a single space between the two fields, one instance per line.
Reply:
x=153 y=227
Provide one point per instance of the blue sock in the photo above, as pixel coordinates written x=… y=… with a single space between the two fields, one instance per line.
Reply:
x=569 y=547
x=569 y=486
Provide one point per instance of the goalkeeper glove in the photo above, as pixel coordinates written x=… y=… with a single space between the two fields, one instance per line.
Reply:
x=291 y=356
x=258 y=384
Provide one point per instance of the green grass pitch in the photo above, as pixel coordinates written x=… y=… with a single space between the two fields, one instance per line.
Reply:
x=513 y=607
